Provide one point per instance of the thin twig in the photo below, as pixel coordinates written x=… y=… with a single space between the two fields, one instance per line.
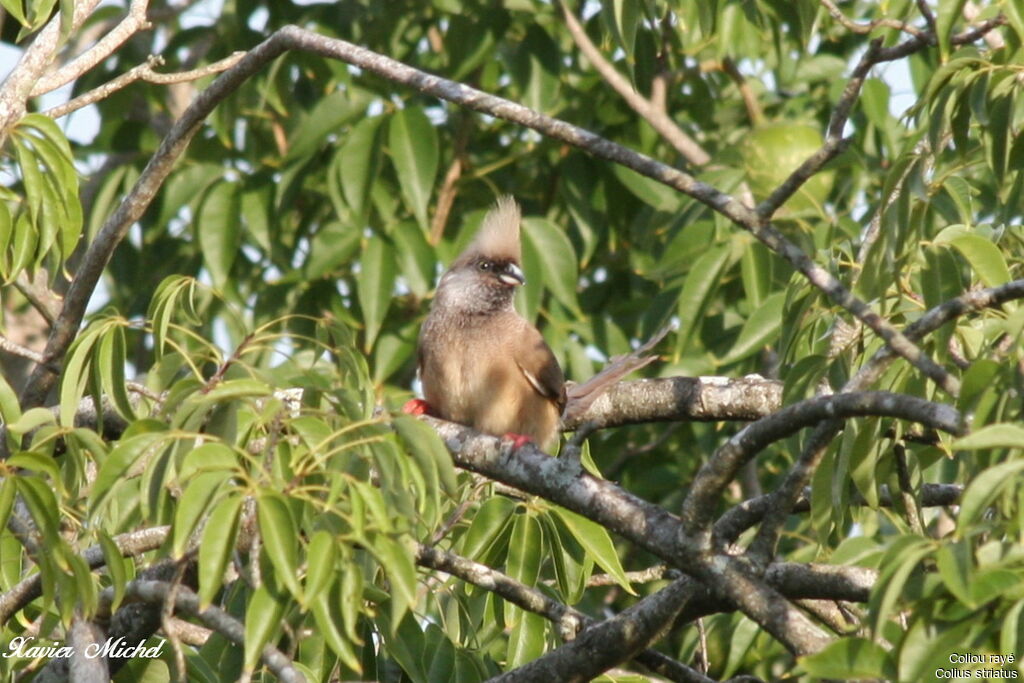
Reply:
x=15 y=90
x=19 y=350
x=699 y=506
x=910 y=507
x=142 y=72
x=854 y=27
x=39 y=295
x=129 y=544
x=187 y=602
x=656 y=116
x=291 y=37
x=568 y=620
x=129 y=26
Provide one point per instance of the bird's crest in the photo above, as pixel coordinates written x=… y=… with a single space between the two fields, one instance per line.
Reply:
x=499 y=237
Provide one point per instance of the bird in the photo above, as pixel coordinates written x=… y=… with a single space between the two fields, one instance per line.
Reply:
x=480 y=362
x=485 y=366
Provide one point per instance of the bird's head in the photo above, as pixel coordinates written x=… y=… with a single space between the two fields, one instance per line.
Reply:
x=484 y=277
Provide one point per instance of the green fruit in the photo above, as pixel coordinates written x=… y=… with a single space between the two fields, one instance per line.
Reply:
x=773 y=151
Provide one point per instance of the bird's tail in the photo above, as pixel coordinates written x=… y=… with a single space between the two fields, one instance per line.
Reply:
x=579 y=397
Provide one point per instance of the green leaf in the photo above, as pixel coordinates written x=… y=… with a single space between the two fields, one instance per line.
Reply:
x=595 y=540
x=418 y=265
x=622 y=17
x=489 y=523
x=656 y=195
x=413 y=144
x=14 y=7
x=851 y=658
x=124 y=456
x=262 y=619
x=280 y=539
x=42 y=505
x=875 y=102
x=332 y=247
x=984 y=489
x=375 y=284
x=219 y=230
x=115 y=566
x=990 y=584
x=397 y=562
x=31 y=419
x=984 y=256
x=535 y=68
x=902 y=557
x=525 y=555
x=350 y=600
x=358 y=163
x=955 y=567
x=327 y=619
x=77 y=372
x=26 y=239
x=700 y=283
x=759 y=330
x=196 y=498
x=1004 y=435
x=111 y=357
x=526 y=642
x=945 y=18
x=8 y=489
x=551 y=247
x=235 y=389
x=329 y=113
x=321 y=561
x=36 y=462
x=216 y=547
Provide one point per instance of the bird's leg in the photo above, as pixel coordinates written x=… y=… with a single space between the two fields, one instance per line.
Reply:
x=417 y=406
x=518 y=440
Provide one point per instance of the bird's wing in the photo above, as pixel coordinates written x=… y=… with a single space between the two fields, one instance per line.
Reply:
x=579 y=397
x=539 y=366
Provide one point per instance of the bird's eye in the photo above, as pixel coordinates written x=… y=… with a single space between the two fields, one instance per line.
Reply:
x=485 y=265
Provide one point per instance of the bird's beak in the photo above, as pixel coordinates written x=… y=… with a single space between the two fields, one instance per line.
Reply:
x=512 y=275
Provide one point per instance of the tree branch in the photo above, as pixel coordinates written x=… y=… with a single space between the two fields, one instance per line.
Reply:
x=741 y=517
x=854 y=27
x=291 y=37
x=721 y=468
x=187 y=602
x=671 y=399
x=569 y=621
x=656 y=116
x=614 y=640
x=134 y=22
x=142 y=72
x=647 y=525
x=16 y=88
x=130 y=545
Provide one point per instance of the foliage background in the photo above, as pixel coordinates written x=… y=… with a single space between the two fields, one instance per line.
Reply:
x=296 y=244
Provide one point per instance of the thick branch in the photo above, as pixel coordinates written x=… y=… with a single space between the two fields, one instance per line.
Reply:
x=568 y=620
x=130 y=545
x=291 y=37
x=614 y=640
x=650 y=527
x=187 y=602
x=722 y=467
x=741 y=517
x=671 y=399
